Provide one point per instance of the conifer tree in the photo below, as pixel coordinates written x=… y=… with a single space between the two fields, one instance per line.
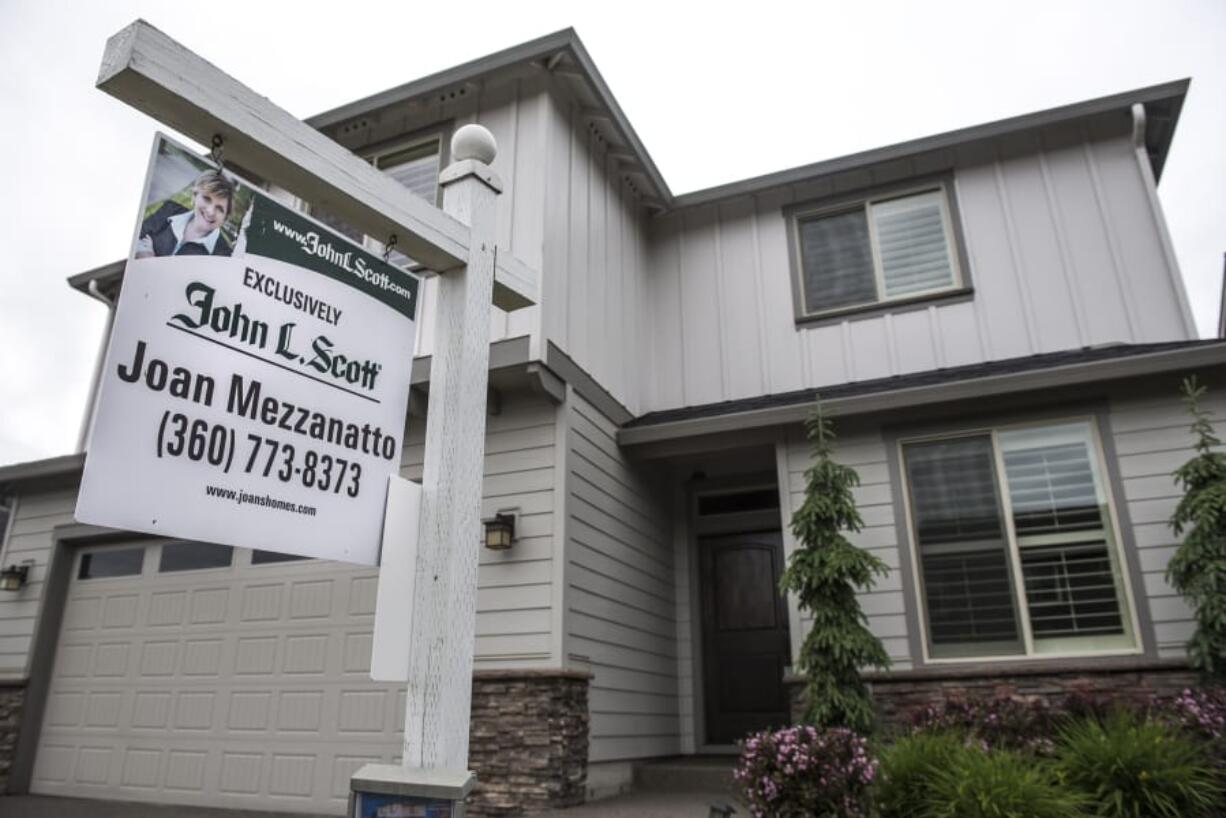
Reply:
x=824 y=572
x=1198 y=568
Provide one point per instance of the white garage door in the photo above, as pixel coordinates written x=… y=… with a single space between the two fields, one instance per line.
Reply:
x=195 y=674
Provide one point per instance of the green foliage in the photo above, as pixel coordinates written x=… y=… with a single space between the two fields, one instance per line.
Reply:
x=1198 y=568
x=1132 y=768
x=997 y=784
x=825 y=572
x=908 y=768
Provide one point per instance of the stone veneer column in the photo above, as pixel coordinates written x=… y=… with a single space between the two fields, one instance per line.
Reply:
x=12 y=698
x=528 y=741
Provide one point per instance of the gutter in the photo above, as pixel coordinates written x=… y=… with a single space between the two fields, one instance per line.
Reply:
x=91 y=402
x=908 y=397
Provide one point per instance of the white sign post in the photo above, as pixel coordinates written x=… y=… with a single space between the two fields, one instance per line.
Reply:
x=151 y=72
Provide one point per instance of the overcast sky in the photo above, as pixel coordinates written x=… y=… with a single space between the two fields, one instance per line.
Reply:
x=728 y=92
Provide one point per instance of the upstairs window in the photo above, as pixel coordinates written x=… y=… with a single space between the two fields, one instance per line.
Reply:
x=1014 y=543
x=879 y=250
x=416 y=167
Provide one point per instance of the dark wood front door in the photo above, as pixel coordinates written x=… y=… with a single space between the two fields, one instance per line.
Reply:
x=745 y=634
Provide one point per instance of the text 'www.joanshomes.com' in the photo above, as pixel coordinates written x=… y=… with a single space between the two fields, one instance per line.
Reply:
x=262 y=500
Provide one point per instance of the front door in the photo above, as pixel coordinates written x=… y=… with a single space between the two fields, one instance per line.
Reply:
x=745 y=634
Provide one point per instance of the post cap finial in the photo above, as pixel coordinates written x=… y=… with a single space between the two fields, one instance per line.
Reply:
x=473 y=142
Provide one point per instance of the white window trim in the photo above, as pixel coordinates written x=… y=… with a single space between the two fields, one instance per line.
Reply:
x=1119 y=562
x=864 y=204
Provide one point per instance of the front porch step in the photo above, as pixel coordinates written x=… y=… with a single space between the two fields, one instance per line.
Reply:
x=710 y=774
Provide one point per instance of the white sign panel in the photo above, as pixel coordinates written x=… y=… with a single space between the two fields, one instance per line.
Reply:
x=257 y=378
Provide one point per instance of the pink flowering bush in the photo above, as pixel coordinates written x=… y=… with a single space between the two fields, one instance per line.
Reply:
x=803 y=771
x=1202 y=712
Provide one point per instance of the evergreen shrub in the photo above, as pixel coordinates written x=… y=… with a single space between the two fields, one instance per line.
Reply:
x=1129 y=767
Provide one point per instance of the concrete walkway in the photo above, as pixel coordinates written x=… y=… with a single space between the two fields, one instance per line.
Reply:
x=636 y=804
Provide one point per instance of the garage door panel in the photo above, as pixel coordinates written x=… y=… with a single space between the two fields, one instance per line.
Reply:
x=119 y=611
x=261 y=603
x=209 y=605
x=142 y=768
x=311 y=599
x=151 y=709
x=166 y=608
x=245 y=686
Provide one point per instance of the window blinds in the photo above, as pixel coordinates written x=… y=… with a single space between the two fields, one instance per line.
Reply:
x=1058 y=513
x=1070 y=584
x=911 y=244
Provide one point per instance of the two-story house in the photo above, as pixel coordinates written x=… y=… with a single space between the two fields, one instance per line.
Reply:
x=994 y=316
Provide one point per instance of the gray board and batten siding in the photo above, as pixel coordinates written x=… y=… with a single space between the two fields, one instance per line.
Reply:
x=679 y=301
x=1064 y=245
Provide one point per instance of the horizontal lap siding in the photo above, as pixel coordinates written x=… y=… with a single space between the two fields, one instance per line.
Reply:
x=620 y=617
x=1151 y=440
x=1062 y=247
x=30 y=538
x=514 y=587
x=884 y=604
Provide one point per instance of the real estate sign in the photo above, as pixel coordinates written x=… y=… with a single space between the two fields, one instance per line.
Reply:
x=255 y=387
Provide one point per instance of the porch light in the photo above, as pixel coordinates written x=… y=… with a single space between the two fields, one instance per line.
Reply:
x=14 y=577
x=721 y=810
x=499 y=531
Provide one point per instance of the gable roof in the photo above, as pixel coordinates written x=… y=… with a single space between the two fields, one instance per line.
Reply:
x=564 y=53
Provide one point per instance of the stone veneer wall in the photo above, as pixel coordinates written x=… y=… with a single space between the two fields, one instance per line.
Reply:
x=12 y=697
x=899 y=696
x=529 y=741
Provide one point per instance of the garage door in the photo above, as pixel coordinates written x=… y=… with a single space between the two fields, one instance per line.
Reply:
x=200 y=674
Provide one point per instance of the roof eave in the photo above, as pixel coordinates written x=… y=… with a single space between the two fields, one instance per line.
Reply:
x=51 y=469
x=1087 y=372
x=1170 y=94
x=566 y=40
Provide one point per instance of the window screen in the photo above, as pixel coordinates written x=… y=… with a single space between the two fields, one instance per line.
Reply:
x=963 y=551
x=837 y=260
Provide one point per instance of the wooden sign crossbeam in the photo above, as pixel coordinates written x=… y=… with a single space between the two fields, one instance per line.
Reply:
x=159 y=77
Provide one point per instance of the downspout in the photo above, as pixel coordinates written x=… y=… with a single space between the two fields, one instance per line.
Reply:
x=87 y=422
x=1164 y=237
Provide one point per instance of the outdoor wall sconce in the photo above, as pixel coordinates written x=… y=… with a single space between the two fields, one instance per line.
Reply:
x=15 y=576
x=499 y=531
x=721 y=810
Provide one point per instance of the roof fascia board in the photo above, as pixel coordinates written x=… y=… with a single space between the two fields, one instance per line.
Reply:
x=1067 y=375
x=104 y=274
x=1051 y=116
x=19 y=473
x=607 y=99
x=565 y=40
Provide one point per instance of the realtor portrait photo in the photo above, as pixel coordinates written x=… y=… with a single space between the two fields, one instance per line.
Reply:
x=190 y=209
